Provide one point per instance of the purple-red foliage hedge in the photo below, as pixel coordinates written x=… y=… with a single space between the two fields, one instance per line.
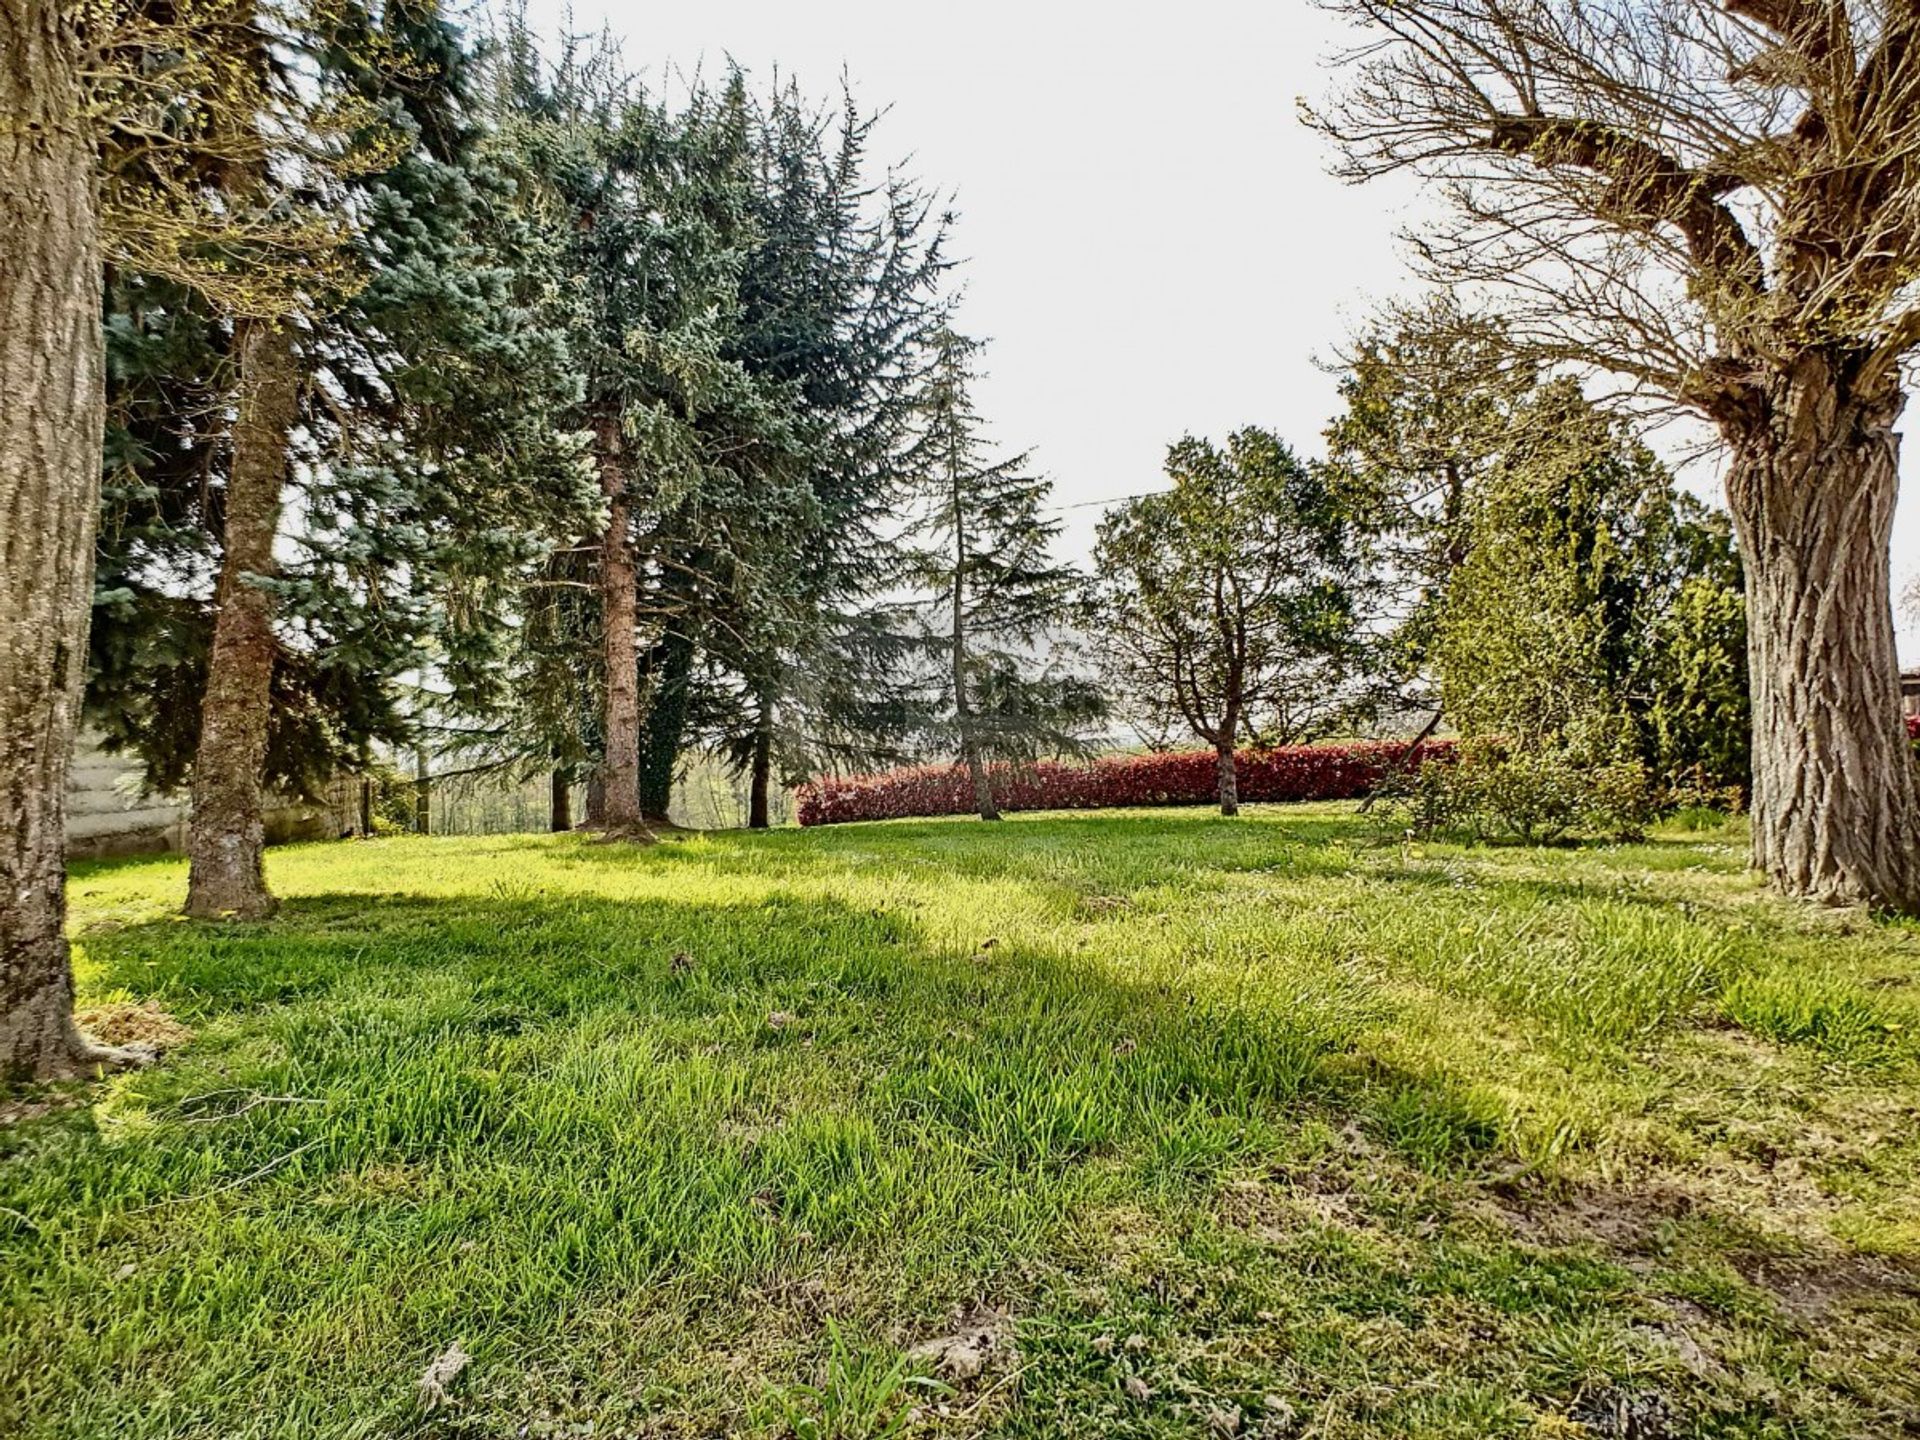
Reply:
x=1174 y=777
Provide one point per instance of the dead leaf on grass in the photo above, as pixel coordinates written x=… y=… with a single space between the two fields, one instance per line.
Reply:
x=444 y=1370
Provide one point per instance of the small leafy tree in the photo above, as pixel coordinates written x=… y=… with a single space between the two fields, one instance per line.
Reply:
x=1699 y=721
x=1596 y=616
x=1233 y=602
x=1432 y=396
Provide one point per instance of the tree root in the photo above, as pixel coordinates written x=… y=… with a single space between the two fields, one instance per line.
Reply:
x=89 y=1059
x=641 y=834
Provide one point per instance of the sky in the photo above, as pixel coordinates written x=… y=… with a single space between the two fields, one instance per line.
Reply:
x=1152 y=244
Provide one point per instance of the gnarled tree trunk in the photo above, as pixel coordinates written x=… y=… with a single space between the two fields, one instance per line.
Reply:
x=620 y=766
x=227 y=834
x=1836 y=816
x=51 y=416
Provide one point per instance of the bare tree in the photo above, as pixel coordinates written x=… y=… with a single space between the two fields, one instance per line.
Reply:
x=1719 y=202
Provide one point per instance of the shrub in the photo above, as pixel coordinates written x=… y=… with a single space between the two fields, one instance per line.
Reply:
x=1536 y=795
x=1696 y=790
x=1174 y=777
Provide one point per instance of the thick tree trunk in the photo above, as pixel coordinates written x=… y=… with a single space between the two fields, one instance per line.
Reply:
x=51 y=414
x=760 y=783
x=1229 y=779
x=1812 y=488
x=226 y=837
x=666 y=721
x=620 y=766
x=559 y=802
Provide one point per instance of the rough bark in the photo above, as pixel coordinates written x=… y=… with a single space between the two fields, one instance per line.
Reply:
x=620 y=766
x=226 y=837
x=1229 y=780
x=1812 y=487
x=559 y=802
x=51 y=415
x=760 y=781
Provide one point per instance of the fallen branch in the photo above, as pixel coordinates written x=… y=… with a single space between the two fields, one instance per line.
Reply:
x=247 y=1179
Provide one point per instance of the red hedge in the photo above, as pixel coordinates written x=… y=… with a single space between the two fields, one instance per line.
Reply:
x=1176 y=777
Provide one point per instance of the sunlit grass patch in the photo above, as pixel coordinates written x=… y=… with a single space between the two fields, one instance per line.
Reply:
x=1262 y=1127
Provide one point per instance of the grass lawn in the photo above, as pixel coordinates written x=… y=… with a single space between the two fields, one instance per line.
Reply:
x=1183 y=1127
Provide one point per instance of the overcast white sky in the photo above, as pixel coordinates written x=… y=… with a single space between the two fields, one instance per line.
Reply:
x=1152 y=242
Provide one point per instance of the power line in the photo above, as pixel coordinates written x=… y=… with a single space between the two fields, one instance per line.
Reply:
x=1089 y=504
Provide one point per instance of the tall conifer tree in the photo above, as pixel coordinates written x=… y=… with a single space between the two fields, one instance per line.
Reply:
x=997 y=594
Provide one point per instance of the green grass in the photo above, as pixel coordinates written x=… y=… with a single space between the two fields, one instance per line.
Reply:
x=1255 y=1127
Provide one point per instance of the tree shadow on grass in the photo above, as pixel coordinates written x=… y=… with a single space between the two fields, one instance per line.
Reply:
x=422 y=1025
x=488 y=1115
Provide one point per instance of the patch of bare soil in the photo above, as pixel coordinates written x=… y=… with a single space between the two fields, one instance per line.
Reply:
x=1811 y=1288
x=124 y=1022
x=979 y=1338
x=1803 y=1267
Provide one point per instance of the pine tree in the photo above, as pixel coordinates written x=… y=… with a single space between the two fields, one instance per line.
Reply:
x=645 y=211
x=997 y=593
x=414 y=436
x=761 y=541
x=838 y=295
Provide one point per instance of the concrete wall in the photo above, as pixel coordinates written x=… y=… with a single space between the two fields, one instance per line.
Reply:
x=109 y=813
